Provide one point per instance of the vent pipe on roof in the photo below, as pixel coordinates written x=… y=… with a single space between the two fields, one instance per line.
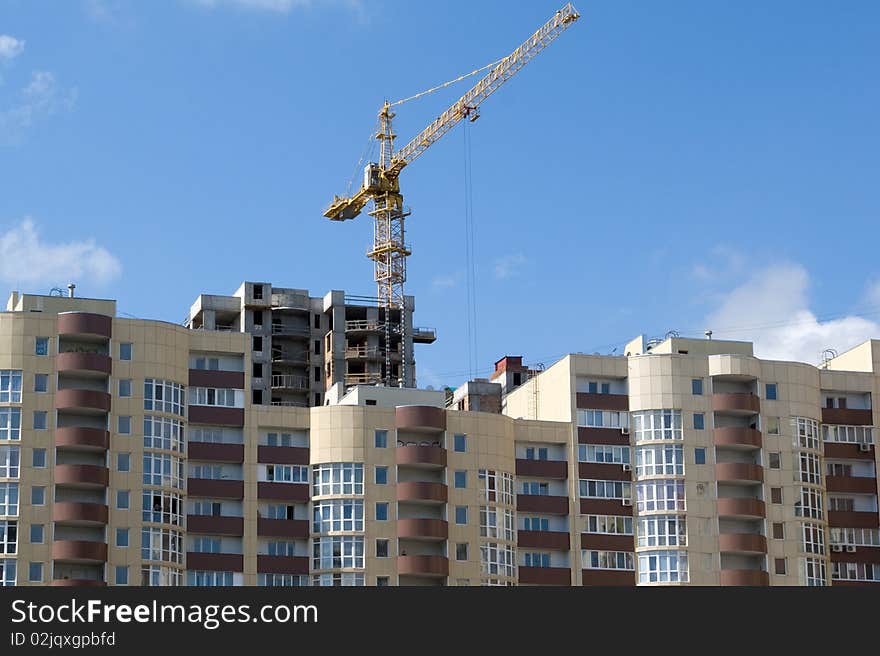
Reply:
x=70 y=287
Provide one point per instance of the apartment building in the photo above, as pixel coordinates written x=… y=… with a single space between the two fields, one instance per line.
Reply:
x=700 y=464
x=303 y=345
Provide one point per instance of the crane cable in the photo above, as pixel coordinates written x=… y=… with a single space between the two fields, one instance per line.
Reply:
x=470 y=256
x=446 y=84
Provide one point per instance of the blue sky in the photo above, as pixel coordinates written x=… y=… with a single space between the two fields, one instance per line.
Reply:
x=661 y=166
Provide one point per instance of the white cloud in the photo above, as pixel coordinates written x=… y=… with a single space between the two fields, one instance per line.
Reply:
x=42 y=97
x=447 y=281
x=873 y=294
x=509 y=265
x=26 y=259
x=283 y=6
x=10 y=47
x=772 y=310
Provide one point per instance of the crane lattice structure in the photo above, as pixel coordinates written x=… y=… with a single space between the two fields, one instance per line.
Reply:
x=381 y=184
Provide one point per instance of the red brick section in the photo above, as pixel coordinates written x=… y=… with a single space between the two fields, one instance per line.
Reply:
x=555 y=540
x=419 y=491
x=215 y=524
x=744 y=577
x=283 y=455
x=588 y=401
x=219 y=562
x=742 y=543
x=71 y=399
x=87 y=513
x=420 y=417
x=847 y=417
x=860 y=555
x=74 y=437
x=420 y=455
x=542 y=504
x=739 y=471
x=600 y=471
x=90 y=475
x=425 y=529
x=853 y=484
x=282 y=564
x=737 y=436
x=216 y=416
x=737 y=401
x=851 y=451
x=423 y=565
x=282 y=528
x=544 y=575
x=608 y=577
x=75 y=361
x=214 y=489
x=602 y=436
x=850 y=519
x=85 y=323
x=79 y=550
x=604 y=507
x=217 y=379
x=604 y=542
x=555 y=469
x=213 y=452
x=283 y=491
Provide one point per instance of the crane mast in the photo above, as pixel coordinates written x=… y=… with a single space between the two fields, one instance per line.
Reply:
x=381 y=180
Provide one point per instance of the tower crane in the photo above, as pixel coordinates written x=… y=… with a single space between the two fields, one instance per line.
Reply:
x=381 y=180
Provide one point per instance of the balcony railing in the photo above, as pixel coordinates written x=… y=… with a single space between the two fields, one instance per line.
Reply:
x=362 y=379
x=280 y=330
x=294 y=301
x=289 y=404
x=424 y=335
x=364 y=325
x=281 y=381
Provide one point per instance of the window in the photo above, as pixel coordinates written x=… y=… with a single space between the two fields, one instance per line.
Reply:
x=495 y=486
x=662 y=531
x=258 y=317
x=125 y=387
x=460 y=478
x=35 y=572
x=157 y=575
x=281 y=548
x=660 y=460
x=123 y=425
x=497 y=559
x=338 y=579
x=772 y=425
x=536 y=453
x=606 y=388
x=381 y=548
x=663 y=566
x=382 y=512
x=841 y=504
x=37 y=534
x=460 y=443
x=257 y=370
x=9 y=499
x=257 y=344
x=602 y=419
x=859 y=537
x=774 y=460
x=10 y=386
x=162 y=544
x=809 y=504
x=607 y=559
x=338 y=478
x=209 y=579
x=461 y=515
x=778 y=531
x=41 y=419
x=258 y=292
x=164 y=396
x=39 y=458
x=497 y=523
x=10 y=460
x=281 y=511
x=41 y=382
x=536 y=488
x=536 y=524
x=338 y=515
x=814 y=538
x=317 y=323
x=163 y=469
x=121 y=537
x=210 y=396
x=381 y=438
x=603 y=453
x=209 y=545
x=855 y=571
x=849 y=434
x=7 y=571
x=123 y=499
x=381 y=475
x=697 y=386
x=287 y=473
x=317 y=347
x=536 y=559
x=121 y=575
x=699 y=421
x=8 y=536
x=41 y=346
x=38 y=495
x=609 y=524
x=10 y=423
x=282 y=580
x=809 y=468
x=605 y=489
x=775 y=495
x=123 y=462
x=660 y=495
x=770 y=391
x=699 y=456
x=592 y=387
x=162 y=507
x=382 y=582
x=338 y=551
x=657 y=425
x=317 y=374
x=125 y=350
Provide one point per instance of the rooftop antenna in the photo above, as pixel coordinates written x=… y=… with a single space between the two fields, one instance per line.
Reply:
x=708 y=334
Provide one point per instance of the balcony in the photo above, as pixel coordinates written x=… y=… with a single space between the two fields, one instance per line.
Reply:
x=85 y=476
x=366 y=353
x=216 y=416
x=79 y=551
x=848 y=416
x=602 y=471
x=608 y=577
x=282 y=564
x=82 y=514
x=420 y=418
x=741 y=508
x=742 y=543
x=740 y=403
x=737 y=436
x=422 y=456
x=555 y=540
x=362 y=379
x=284 y=301
x=606 y=542
x=215 y=525
x=283 y=491
x=83 y=363
x=364 y=326
x=739 y=472
x=852 y=484
x=429 y=566
x=853 y=519
x=211 y=488
x=552 y=469
x=422 y=492
x=843 y=450
x=218 y=379
x=282 y=528
x=86 y=439
x=590 y=506
x=544 y=575
x=744 y=577
x=548 y=505
x=85 y=324
x=82 y=400
x=220 y=562
x=292 y=358
x=423 y=529
x=283 y=455
x=590 y=401
x=290 y=382
x=614 y=436
x=215 y=452
x=422 y=335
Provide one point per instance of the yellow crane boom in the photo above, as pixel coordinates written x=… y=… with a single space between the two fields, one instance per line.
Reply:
x=381 y=184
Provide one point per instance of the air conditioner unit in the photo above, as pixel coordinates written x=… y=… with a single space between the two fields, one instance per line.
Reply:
x=624 y=430
x=627 y=502
x=836 y=547
x=864 y=447
x=850 y=548
x=627 y=467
